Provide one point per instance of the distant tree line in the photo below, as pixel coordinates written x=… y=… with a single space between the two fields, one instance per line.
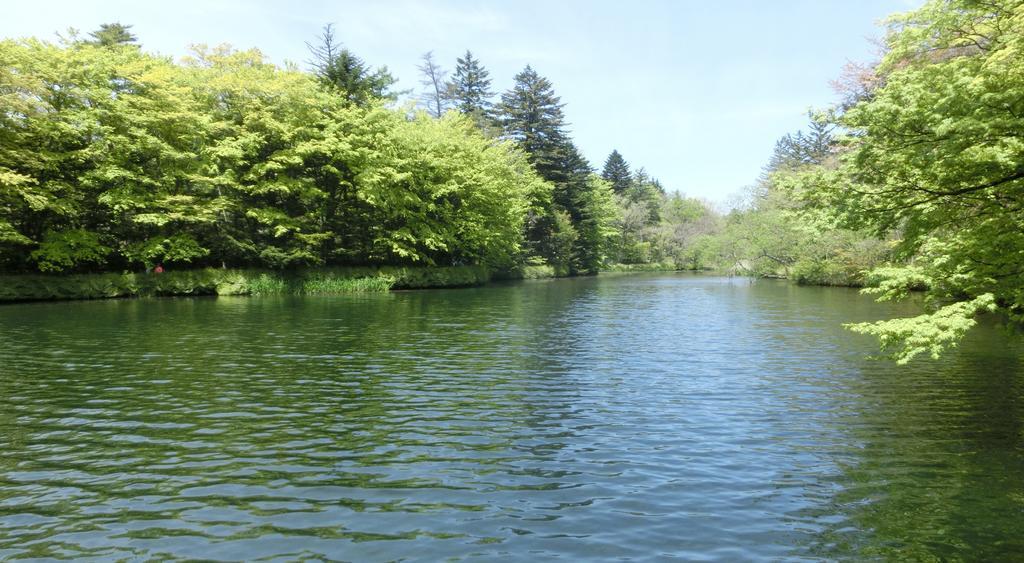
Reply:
x=115 y=159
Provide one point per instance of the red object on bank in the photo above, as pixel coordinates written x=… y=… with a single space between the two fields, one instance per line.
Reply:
x=159 y=269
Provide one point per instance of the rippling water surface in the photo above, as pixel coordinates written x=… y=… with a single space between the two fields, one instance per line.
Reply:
x=641 y=417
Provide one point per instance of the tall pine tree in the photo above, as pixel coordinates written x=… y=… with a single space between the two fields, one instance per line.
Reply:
x=590 y=206
x=531 y=114
x=573 y=238
x=616 y=172
x=470 y=87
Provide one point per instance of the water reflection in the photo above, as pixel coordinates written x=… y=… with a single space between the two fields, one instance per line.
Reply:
x=633 y=416
x=934 y=468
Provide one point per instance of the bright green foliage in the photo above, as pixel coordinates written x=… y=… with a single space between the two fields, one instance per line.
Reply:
x=935 y=154
x=891 y=283
x=932 y=333
x=596 y=223
x=64 y=250
x=249 y=198
x=616 y=172
x=178 y=248
x=463 y=198
x=114 y=159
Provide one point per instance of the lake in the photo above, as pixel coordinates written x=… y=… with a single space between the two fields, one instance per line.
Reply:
x=633 y=416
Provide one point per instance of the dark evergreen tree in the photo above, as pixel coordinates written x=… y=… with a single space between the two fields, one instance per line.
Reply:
x=796 y=151
x=110 y=34
x=470 y=88
x=820 y=142
x=643 y=188
x=812 y=148
x=616 y=172
x=531 y=114
x=576 y=195
x=337 y=67
x=576 y=171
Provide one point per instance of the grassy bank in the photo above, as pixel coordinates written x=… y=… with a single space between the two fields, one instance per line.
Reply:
x=803 y=273
x=239 y=282
x=316 y=281
x=650 y=267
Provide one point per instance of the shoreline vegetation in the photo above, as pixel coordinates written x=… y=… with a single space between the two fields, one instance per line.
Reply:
x=256 y=282
x=240 y=177
x=113 y=159
x=313 y=281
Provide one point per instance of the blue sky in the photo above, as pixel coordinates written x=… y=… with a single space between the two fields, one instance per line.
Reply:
x=696 y=92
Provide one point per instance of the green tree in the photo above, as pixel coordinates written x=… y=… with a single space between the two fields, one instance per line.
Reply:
x=648 y=191
x=111 y=34
x=339 y=68
x=470 y=89
x=52 y=136
x=531 y=114
x=598 y=214
x=685 y=235
x=934 y=155
x=589 y=202
x=263 y=197
x=113 y=159
x=449 y=195
x=616 y=172
x=813 y=148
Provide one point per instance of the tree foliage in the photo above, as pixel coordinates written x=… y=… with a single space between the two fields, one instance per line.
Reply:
x=804 y=149
x=933 y=154
x=470 y=89
x=113 y=159
x=111 y=34
x=339 y=68
x=531 y=115
x=616 y=172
